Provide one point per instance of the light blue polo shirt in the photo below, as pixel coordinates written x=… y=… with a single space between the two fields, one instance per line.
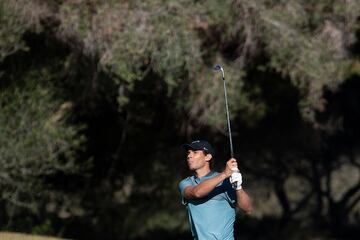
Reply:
x=211 y=217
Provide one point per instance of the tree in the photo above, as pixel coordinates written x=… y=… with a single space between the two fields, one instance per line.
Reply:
x=140 y=72
x=37 y=144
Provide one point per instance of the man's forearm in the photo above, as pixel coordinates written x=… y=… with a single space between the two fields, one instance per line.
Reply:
x=204 y=188
x=243 y=201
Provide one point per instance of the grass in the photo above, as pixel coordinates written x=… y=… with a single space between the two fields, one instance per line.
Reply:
x=20 y=236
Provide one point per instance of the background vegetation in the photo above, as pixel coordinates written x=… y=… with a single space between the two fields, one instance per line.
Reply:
x=96 y=98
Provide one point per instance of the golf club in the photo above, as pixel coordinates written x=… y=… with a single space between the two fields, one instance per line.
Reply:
x=219 y=68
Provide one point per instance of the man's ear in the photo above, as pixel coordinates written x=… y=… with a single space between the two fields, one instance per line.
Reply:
x=208 y=157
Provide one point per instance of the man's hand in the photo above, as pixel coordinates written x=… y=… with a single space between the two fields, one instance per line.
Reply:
x=235 y=176
x=236 y=180
x=230 y=166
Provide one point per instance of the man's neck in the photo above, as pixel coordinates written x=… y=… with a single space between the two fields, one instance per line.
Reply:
x=202 y=172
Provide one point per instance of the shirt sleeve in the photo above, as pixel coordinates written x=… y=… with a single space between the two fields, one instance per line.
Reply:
x=182 y=185
x=230 y=193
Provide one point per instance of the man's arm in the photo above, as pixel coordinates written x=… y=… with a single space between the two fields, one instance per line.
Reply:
x=243 y=201
x=205 y=187
x=242 y=198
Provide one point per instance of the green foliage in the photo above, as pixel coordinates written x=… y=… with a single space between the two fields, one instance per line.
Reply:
x=43 y=229
x=36 y=143
x=307 y=42
x=135 y=38
x=279 y=58
x=11 y=30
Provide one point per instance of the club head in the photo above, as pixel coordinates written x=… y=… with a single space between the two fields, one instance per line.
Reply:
x=217 y=68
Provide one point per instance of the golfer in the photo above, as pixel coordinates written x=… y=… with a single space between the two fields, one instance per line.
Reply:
x=209 y=196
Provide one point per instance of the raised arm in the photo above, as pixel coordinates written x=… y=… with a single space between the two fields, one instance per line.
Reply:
x=205 y=187
x=242 y=198
x=243 y=201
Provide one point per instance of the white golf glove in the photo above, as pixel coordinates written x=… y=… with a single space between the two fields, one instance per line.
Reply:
x=236 y=180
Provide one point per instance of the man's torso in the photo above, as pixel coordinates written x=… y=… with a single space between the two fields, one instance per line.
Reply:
x=213 y=216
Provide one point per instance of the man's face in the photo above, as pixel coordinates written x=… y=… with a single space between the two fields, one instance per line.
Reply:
x=196 y=159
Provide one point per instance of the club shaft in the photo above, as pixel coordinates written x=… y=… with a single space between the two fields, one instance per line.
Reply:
x=228 y=119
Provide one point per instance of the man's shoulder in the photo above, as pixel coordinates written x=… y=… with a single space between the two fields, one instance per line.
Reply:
x=211 y=174
x=185 y=183
x=186 y=180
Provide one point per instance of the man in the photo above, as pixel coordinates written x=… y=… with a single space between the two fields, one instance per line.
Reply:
x=209 y=196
